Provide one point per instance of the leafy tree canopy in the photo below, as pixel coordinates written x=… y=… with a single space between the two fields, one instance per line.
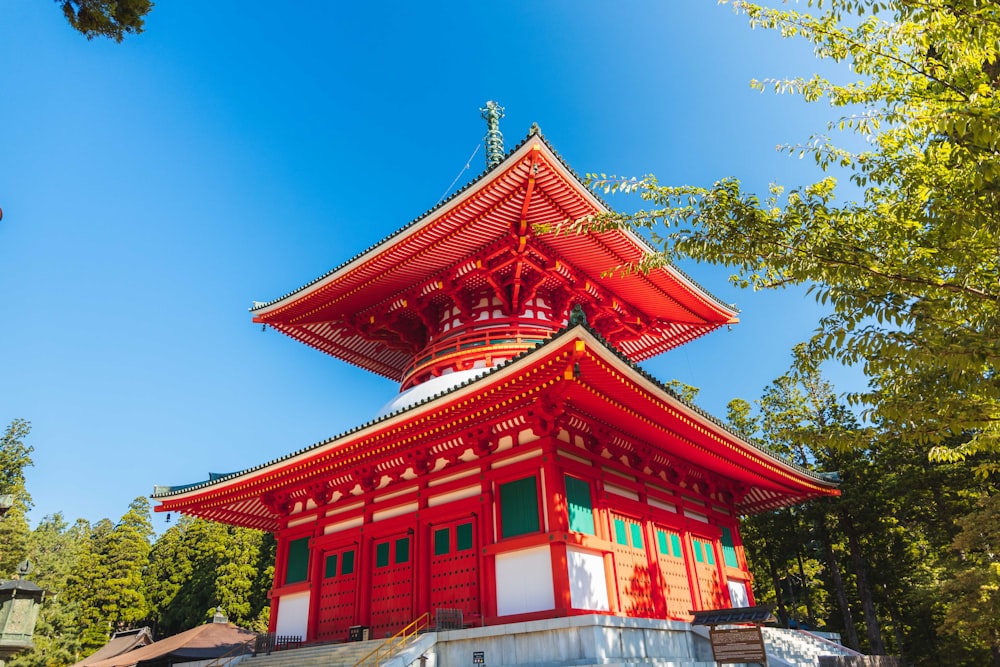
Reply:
x=15 y=456
x=912 y=268
x=106 y=18
x=976 y=580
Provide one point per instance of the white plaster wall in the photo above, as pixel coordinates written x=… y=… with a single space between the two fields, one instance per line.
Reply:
x=524 y=581
x=588 y=584
x=293 y=615
x=738 y=594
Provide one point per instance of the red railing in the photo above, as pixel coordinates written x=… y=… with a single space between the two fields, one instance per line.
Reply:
x=476 y=343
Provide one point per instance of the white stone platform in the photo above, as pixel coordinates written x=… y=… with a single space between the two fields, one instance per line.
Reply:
x=575 y=641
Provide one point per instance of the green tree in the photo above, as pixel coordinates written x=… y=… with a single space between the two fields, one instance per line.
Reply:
x=106 y=18
x=197 y=565
x=976 y=581
x=54 y=547
x=86 y=587
x=799 y=417
x=911 y=267
x=108 y=582
x=893 y=558
x=15 y=456
x=127 y=559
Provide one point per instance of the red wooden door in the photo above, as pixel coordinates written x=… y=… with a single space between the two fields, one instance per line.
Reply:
x=635 y=594
x=392 y=585
x=454 y=571
x=707 y=568
x=673 y=573
x=337 y=594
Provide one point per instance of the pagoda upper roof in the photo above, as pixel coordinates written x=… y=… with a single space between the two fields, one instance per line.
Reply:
x=534 y=185
x=594 y=382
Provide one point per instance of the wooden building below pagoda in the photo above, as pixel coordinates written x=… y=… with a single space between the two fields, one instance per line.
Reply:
x=528 y=468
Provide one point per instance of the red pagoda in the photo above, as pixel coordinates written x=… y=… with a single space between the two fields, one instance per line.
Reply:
x=528 y=468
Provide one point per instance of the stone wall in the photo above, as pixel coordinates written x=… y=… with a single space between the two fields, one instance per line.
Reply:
x=575 y=640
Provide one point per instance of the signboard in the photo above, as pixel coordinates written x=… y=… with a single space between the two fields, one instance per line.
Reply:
x=479 y=657
x=735 y=645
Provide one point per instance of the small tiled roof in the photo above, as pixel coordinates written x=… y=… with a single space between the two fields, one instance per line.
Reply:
x=119 y=644
x=759 y=614
x=204 y=642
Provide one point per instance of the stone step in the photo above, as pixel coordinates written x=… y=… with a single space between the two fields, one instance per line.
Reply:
x=327 y=655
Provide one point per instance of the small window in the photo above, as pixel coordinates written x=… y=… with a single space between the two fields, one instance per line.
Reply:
x=675 y=545
x=581 y=509
x=699 y=554
x=728 y=549
x=621 y=536
x=637 y=536
x=519 y=507
x=463 y=537
x=403 y=550
x=709 y=553
x=382 y=554
x=331 y=566
x=347 y=566
x=297 y=567
x=669 y=543
x=442 y=541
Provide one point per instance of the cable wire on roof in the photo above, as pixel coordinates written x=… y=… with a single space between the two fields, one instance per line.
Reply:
x=468 y=163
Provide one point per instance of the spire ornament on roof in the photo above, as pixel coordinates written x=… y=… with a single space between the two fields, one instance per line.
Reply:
x=492 y=113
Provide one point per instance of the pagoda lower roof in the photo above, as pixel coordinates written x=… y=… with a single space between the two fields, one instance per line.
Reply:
x=638 y=418
x=530 y=189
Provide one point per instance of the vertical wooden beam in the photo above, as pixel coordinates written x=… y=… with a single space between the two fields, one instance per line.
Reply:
x=487 y=530
x=562 y=594
x=422 y=536
x=315 y=576
x=558 y=523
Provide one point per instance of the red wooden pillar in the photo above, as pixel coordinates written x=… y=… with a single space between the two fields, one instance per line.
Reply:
x=280 y=563
x=315 y=573
x=555 y=487
x=487 y=564
x=558 y=513
x=423 y=537
x=366 y=564
x=602 y=526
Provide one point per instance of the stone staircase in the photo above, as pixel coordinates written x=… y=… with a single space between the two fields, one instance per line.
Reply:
x=795 y=648
x=327 y=655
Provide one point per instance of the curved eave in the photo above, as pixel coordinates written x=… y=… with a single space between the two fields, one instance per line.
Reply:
x=609 y=387
x=320 y=313
x=657 y=414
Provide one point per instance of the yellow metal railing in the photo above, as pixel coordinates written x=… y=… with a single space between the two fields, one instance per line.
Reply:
x=394 y=644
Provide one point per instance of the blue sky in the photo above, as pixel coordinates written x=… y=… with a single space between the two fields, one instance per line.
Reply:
x=153 y=189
